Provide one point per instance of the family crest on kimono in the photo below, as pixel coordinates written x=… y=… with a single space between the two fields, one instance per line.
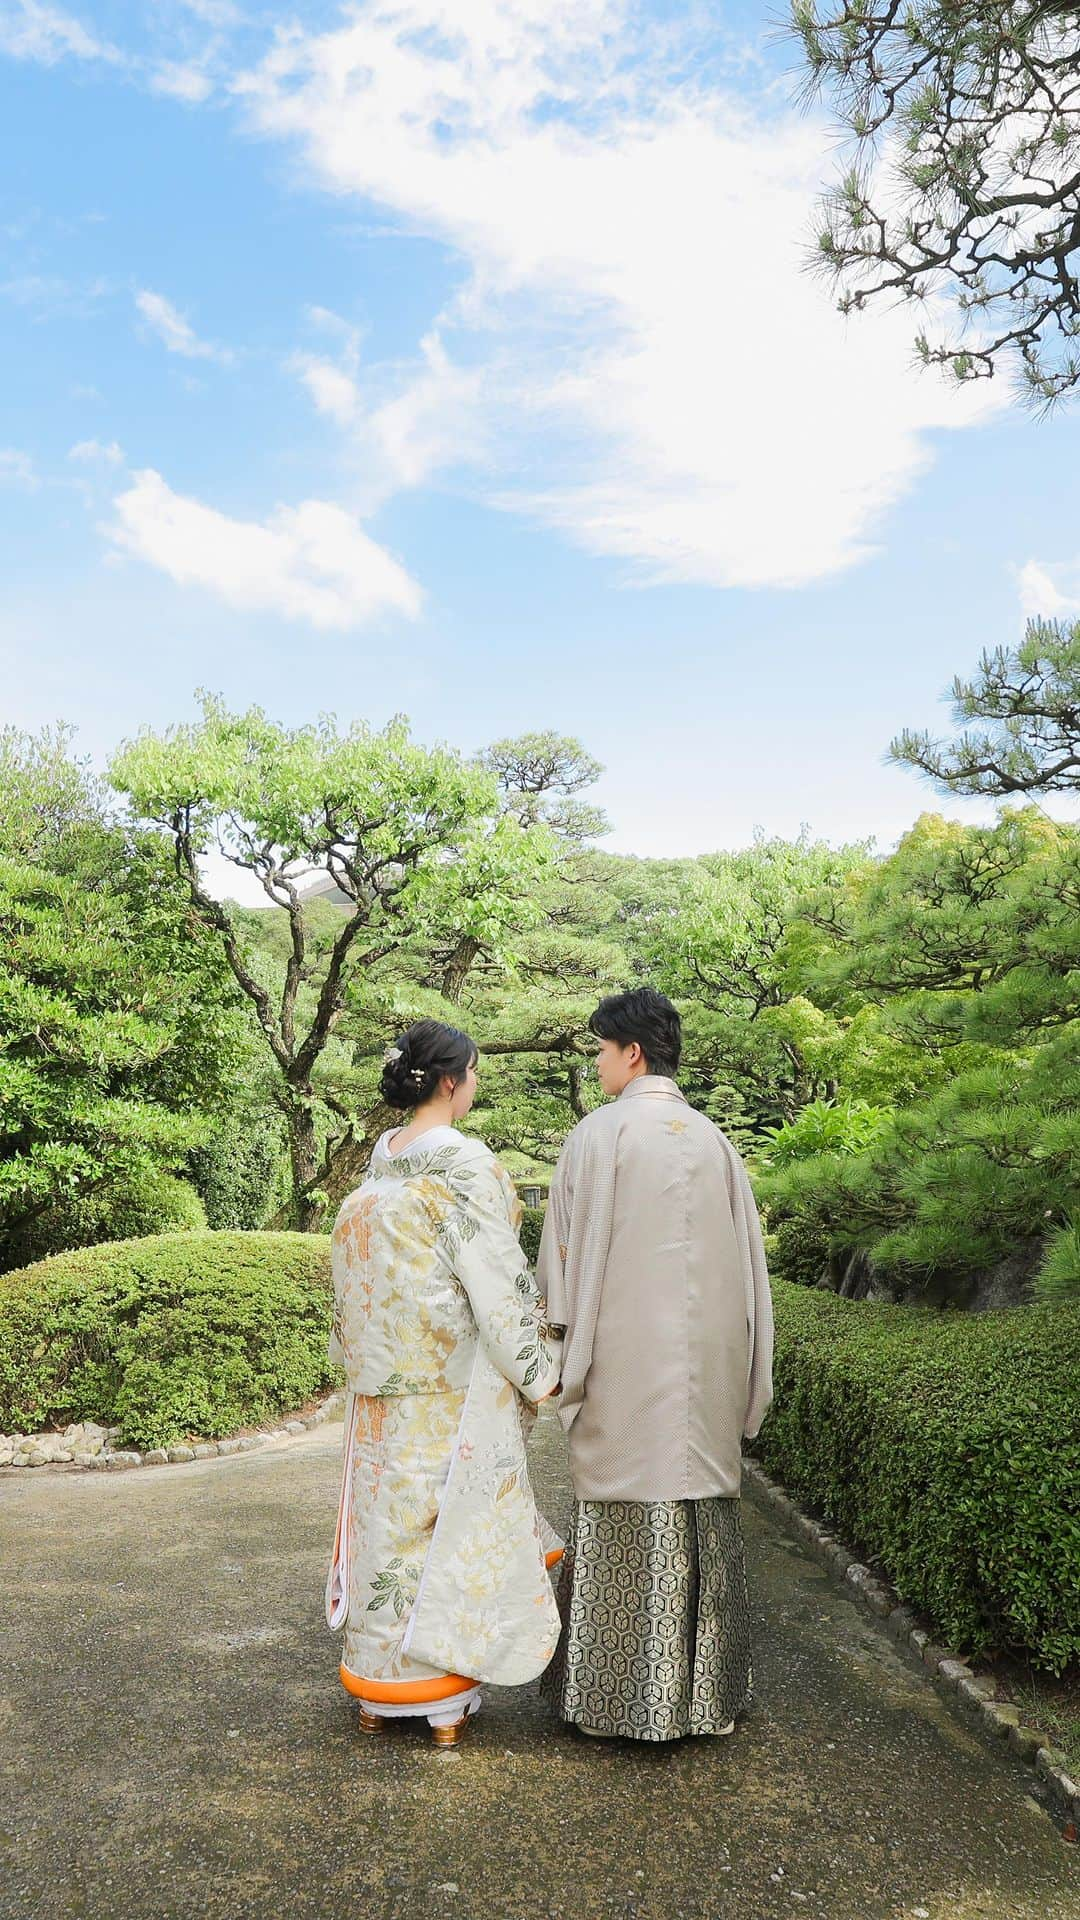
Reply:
x=648 y=1325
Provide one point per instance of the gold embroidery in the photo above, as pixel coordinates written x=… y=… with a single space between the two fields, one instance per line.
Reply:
x=676 y=1126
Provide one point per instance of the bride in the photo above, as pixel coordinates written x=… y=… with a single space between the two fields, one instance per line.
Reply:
x=439 y=1573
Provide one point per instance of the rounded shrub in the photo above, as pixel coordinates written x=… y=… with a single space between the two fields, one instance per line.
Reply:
x=945 y=1447
x=176 y=1333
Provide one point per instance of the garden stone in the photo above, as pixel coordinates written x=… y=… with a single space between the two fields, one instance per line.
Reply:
x=933 y=1655
x=294 y=1426
x=228 y=1446
x=124 y=1458
x=205 y=1450
x=250 y=1441
x=73 y=1433
x=37 y=1458
x=157 y=1457
x=1027 y=1741
x=180 y=1453
x=83 y=1458
x=954 y=1670
x=1048 y=1760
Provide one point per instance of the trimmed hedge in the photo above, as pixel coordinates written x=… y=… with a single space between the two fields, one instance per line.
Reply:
x=946 y=1447
x=532 y=1226
x=177 y=1333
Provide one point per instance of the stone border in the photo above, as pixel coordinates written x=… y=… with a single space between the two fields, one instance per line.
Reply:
x=973 y=1692
x=63 y=1449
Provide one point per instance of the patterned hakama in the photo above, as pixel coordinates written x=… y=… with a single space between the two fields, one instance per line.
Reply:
x=656 y=1618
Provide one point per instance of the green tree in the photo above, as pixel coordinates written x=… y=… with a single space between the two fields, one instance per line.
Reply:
x=757 y=1047
x=414 y=839
x=966 y=120
x=118 y=1022
x=1029 y=700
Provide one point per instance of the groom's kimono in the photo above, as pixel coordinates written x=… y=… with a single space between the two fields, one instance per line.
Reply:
x=652 y=1257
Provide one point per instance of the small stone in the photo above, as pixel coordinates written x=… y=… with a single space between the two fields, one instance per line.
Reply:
x=900 y=1623
x=37 y=1457
x=294 y=1426
x=83 y=1458
x=918 y=1639
x=250 y=1441
x=1027 y=1741
x=123 y=1457
x=933 y=1655
x=19 y=1460
x=1000 y=1715
x=309 y=1419
x=64 y=1453
x=954 y=1670
x=157 y=1457
x=91 y=1442
x=1048 y=1760
x=74 y=1432
x=180 y=1453
x=228 y=1446
x=205 y=1450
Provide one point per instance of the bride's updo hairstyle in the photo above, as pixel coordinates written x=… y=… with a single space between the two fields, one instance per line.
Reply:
x=419 y=1057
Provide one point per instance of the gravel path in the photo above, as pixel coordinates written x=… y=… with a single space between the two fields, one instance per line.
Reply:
x=175 y=1743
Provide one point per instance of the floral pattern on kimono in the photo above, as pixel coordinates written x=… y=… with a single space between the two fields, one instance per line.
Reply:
x=439 y=1564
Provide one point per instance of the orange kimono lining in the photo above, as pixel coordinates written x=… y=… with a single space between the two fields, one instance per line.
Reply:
x=406 y=1692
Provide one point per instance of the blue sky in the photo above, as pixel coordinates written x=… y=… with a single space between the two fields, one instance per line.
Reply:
x=458 y=359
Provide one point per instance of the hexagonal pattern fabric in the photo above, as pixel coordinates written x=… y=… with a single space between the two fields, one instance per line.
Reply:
x=656 y=1618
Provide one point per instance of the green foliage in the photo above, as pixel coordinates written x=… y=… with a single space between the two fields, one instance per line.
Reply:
x=1058 y=1276
x=952 y=970
x=236 y=1170
x=85 y=1022
x=149 y=1202
x=841 y=1126
x=945 y=1447
x=420 y=844
x=119 y=1026
x=962 y=183
x=532 y=1226
x=1027 y=699
x=798 y=1251
x=188 y=1333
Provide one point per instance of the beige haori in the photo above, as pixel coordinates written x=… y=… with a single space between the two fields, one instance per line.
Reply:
x=439 y=1565
x=652 y=1256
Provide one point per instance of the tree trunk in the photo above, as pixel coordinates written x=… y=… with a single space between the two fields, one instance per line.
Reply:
x=456 y=971
x=304 y=1159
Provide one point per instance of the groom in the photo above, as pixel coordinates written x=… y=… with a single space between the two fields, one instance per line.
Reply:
x=652 y=1256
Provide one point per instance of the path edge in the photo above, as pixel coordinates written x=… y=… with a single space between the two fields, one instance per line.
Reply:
x=969 y=1691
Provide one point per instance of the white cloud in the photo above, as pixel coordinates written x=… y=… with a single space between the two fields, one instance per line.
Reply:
x=93 y=451
x=174 y=330
x=1048 y=592
x=180 y=81
x=312 y=562
x=17 y=470
x=661 y=377
x=31 y=31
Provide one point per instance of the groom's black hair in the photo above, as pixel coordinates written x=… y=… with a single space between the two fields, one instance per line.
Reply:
x=646 y=1016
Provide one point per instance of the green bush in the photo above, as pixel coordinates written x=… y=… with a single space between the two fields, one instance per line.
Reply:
x=150 y=1202
x=946 y=1447
x=178 y=1333
x=532 y=1226
x=235 y=1172
x=798 y=1251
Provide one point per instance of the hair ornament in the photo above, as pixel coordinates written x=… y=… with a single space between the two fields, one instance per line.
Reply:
x=391 y=1054
x=419 y=1074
